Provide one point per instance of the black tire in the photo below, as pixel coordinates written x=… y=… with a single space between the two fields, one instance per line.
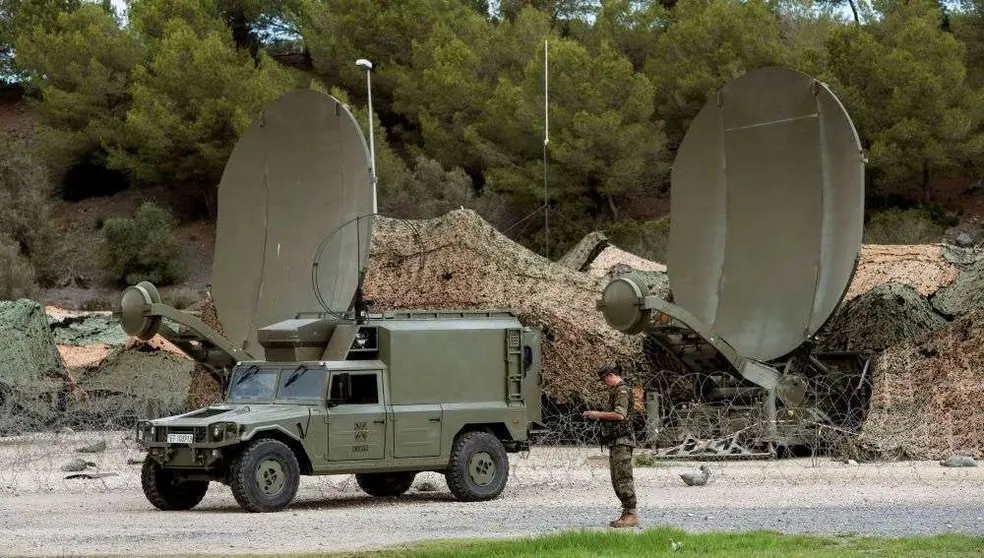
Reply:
x=167 y=490
x=478 y=468
x=264 y=476
x=385 y=484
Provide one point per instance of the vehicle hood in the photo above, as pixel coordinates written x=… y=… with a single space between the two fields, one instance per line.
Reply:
x=244 y=413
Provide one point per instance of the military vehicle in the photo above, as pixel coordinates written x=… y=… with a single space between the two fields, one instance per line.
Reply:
x=315 y=382
x=767 y=208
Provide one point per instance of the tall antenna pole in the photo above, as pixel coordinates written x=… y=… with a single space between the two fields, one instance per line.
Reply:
x=362 y=62
x=546 y=140
x=360 y=305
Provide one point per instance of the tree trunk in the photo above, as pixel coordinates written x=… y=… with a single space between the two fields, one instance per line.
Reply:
x=611 y=205
x=927 y=194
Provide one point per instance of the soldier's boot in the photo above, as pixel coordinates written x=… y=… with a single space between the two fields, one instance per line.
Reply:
x=628 y=519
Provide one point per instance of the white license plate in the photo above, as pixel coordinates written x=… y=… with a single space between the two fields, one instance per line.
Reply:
x=180 y=438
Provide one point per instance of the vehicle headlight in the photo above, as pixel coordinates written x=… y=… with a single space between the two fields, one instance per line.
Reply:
x=145 y=430
x=221 y=430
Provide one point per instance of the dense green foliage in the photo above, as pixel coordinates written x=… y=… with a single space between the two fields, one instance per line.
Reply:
x=160 y=96
x=25 y=227
x=142 y=247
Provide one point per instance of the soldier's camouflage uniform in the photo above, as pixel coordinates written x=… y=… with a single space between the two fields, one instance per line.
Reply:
x=619 y=436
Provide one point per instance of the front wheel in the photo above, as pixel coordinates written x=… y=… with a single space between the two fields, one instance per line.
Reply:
x=478 y=468
x=167 y=490
x=264 y=476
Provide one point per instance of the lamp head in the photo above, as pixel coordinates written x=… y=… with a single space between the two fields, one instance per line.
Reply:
x=363 y=63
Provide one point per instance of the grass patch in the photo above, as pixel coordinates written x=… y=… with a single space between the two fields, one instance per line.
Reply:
x=648 y=460
x=669 y=541
x=660 y=542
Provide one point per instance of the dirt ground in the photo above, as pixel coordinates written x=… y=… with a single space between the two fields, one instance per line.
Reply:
x=550 y=489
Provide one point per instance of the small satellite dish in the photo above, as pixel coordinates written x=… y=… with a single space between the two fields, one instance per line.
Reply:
x=298 y=175
x=767 y=212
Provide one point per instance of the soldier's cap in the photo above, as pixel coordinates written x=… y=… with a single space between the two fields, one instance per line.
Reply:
x=607 y=368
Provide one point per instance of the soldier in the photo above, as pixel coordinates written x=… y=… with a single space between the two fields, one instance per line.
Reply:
x=619 y=436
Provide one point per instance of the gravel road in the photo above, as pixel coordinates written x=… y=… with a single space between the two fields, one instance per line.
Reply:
x=552 y=489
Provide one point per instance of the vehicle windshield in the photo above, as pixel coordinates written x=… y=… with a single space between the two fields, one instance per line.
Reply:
x=300 y=382
x=252 y=382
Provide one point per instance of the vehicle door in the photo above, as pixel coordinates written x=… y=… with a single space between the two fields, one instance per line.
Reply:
x=356 y=416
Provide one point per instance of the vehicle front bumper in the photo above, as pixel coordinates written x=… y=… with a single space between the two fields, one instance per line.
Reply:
x=187 y=446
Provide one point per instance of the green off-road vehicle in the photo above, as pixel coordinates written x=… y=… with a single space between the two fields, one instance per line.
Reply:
x=451 y=392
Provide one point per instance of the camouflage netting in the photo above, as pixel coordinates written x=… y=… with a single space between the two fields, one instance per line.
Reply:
x=87 y=329
x=613 y=261
x=141 y=380
x=28 y=352
x=927 y=393
x=886 y=315
x=31 y=372
x=613 y=257
x=967 y=291
x=204 y=389
x=585 y=252
x=922 y=267
x=207 y=313
x=460 y=261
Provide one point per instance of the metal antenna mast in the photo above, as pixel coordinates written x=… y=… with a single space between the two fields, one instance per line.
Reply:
x=546 y=140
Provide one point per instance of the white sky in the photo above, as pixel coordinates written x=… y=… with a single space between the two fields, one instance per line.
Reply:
x=120 y=6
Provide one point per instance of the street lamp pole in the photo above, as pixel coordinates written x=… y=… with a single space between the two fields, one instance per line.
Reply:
x=363 y=63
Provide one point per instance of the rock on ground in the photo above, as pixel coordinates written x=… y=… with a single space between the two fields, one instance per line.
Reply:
x=459 y=261
x=926 y=394
x=886 y=315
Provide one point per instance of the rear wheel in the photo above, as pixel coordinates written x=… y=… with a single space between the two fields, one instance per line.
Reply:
x=264 y=476
x=385 y=484
x=167 y=490
x=478 y=468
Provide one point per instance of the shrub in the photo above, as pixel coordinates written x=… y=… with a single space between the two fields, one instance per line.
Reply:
x=902 y=226
x=16 y=273
x=647 y=239
x=180 y=298
x=25 y=211
x=141 y=248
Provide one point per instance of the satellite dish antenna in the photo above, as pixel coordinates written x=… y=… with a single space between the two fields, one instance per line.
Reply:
x=298 y=175
x=767 y=217
x=768 y=199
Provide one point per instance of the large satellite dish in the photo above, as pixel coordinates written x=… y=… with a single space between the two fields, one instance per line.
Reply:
x=299 y=175
x=767 y=212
